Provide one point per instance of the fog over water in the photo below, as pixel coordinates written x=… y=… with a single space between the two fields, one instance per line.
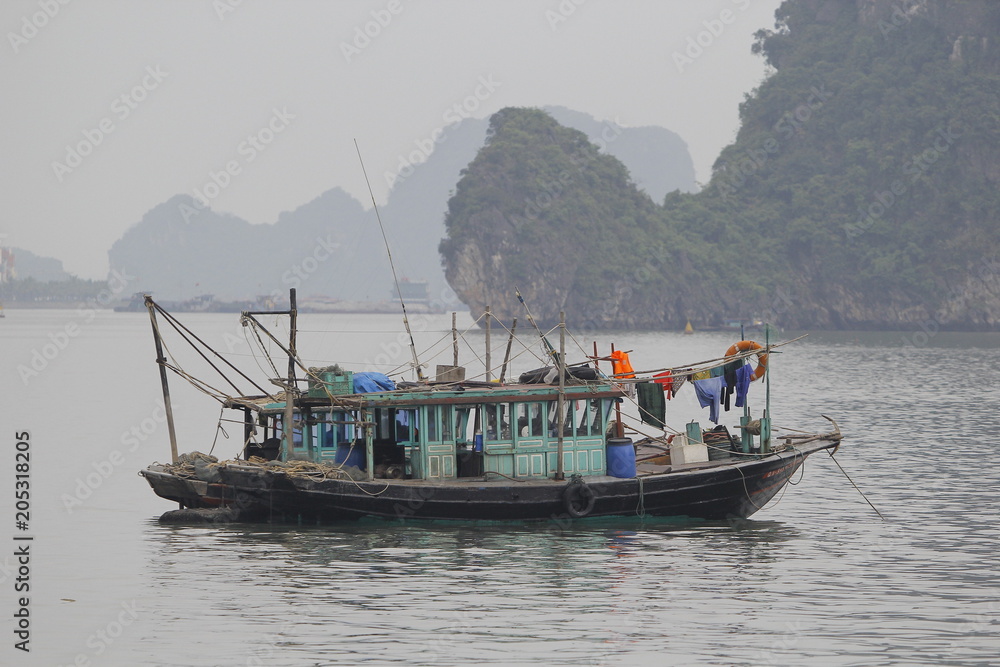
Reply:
x=114 y=107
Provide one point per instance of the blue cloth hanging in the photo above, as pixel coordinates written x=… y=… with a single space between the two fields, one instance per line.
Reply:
x=709 y=393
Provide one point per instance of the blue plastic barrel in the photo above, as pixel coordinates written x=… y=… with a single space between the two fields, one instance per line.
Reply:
x=621 y=457
x=351 y=457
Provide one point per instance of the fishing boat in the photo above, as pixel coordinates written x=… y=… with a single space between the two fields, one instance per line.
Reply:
x=336 y=445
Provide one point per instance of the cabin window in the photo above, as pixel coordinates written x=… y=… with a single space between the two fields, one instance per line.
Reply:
x=343 y=432
x=384 y=430
x=496 y=422
x=433 y=423
x=592 y=417
x=569 y=411
x=530 y=420
x=279 y=430
x=406 y=426
x=463 y=430
x=329 y=428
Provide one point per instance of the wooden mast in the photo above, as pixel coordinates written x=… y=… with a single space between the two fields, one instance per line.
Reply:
x=161 y=362
x=506 y=356
x=561 y=368
x=489 y=355
x=288 y=443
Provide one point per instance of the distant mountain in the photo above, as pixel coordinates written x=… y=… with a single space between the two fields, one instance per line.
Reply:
x=27 y=264
x=179 y=250
x=657 y=159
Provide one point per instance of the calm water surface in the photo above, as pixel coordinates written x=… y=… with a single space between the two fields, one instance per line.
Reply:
x=815 y=577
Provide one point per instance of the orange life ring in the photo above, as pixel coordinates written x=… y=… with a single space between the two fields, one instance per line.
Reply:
x=747 y=346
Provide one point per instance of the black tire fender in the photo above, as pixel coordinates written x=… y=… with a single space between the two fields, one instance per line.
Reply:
x=578 y=499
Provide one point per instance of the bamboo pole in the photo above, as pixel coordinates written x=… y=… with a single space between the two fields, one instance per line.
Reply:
x=561 y=368
x=454 y=337
x=288 y=442
x=765 y=423
x=506 y=356
x=489 y=360
x=160 y=361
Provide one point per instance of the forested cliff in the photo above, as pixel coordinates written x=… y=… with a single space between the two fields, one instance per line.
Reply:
x=861 y=191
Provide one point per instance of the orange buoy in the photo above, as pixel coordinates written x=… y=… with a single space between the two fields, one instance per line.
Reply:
x=748 y=346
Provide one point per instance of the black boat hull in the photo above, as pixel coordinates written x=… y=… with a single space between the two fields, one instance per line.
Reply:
x=723 y=490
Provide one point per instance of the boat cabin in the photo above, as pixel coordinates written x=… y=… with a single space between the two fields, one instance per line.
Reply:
x=426 y=433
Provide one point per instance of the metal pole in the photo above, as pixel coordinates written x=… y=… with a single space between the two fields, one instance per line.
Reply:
x=454 y=336
x=369 y=430
x=765 y=423
x=619 y=428
x=160 y=361
x=489 y=356
x=248 y=430
x=288 y=442
x=561 y=368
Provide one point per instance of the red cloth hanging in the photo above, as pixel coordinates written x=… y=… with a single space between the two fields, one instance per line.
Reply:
x=665 y=380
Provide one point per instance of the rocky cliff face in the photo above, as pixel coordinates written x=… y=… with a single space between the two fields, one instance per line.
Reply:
x=861 y=192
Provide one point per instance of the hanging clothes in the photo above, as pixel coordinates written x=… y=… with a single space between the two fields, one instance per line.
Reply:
x=666 y=382
x=680 y=376
x=709 y=392
x=744 y=376
x=621 y=366
x=652 y=406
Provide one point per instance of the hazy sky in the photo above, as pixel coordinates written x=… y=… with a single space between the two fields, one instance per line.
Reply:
x=112 y=107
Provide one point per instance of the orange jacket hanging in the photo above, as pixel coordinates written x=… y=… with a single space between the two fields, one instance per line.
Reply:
x=621 y=366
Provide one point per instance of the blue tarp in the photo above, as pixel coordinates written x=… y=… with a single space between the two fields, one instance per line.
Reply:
x=366 y=383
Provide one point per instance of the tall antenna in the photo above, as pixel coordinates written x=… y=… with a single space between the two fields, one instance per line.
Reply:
x=406 y=322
